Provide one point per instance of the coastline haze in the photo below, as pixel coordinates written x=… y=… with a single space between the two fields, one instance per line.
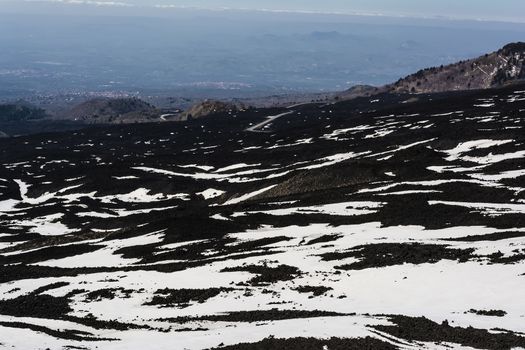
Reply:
x=85 y=46
x=505 y=10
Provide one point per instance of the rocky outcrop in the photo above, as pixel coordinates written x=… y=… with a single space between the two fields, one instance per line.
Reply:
x=360 y=91
x=210 y=107
x=121 y=110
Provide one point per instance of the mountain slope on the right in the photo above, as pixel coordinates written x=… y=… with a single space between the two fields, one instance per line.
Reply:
x=496 y=69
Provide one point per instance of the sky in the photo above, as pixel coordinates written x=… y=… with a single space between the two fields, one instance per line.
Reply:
x=501 y=10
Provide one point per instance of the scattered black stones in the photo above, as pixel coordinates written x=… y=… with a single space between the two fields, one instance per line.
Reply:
x=324 y=239
x=52 y=286
x=498 y=236
x=257 y=316
x=38 y=242
x=212 y=250
x=257 y=244
x=424 y=330
x=500 y=258
x=91 y=321
x=267 y=275
x=110 y=294
x=314 y=290
x=367 y=343
x=390 y=254
x=75 y=292
x=182 y=298
x=44 y=254
x=35 y=305
x=495 y=313
x=66 y=334
x=49 y=307
x=10 y=273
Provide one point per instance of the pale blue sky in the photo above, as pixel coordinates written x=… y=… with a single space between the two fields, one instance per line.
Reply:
x=506 y=10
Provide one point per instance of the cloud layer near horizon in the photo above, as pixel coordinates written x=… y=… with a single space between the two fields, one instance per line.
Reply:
x=507 y=10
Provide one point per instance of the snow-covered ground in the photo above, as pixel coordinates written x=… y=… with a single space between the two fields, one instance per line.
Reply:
x=334 y=222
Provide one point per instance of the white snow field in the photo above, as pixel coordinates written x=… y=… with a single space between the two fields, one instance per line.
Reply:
x=374 y=224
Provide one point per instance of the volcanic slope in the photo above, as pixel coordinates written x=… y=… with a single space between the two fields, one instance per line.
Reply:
x=493 y=70
x=496 y=69
x=367 y=224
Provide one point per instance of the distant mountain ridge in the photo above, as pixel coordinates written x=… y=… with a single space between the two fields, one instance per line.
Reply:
x=491 y=70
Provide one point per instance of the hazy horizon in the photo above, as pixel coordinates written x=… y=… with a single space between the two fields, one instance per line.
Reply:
x=134 y=45
x=504 y=10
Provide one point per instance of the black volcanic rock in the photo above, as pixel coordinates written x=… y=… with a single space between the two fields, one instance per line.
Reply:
x=335 y=217
x=272 y=343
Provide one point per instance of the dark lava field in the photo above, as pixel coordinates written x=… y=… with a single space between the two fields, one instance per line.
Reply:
x=392 y=222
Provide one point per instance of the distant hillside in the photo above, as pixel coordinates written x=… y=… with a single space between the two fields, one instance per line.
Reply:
x=491 y=70
x=209 y=107
x=22 y=118
x=120 y=110
x=360 y=91
x=19 y=112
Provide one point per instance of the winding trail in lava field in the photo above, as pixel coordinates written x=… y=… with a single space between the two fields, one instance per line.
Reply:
x=258 y=127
